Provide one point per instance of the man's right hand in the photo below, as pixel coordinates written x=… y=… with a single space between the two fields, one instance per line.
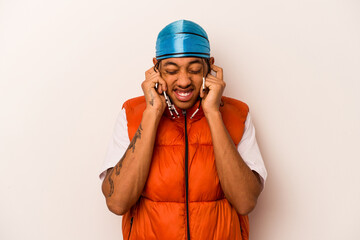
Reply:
x=155 y=101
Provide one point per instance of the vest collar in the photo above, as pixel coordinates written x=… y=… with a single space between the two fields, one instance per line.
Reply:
x=195 y=112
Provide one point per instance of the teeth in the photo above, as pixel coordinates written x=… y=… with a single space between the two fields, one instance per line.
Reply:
x=184 y=94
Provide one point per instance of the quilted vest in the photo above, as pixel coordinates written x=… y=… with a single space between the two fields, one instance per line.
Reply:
x=182 y=198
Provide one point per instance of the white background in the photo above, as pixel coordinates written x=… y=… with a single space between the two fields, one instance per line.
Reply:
x=67 y=66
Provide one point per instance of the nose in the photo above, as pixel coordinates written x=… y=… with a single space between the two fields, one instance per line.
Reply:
x=183 y=80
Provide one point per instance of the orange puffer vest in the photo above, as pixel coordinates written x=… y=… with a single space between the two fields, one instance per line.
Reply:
x=182 y=198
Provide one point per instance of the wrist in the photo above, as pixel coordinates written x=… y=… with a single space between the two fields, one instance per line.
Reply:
x=213 y=115
x=152 y=114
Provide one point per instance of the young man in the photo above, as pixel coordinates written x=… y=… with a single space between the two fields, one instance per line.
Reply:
x=184 y=163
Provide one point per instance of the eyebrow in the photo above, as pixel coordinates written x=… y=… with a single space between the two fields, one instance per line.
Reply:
x=172 y=63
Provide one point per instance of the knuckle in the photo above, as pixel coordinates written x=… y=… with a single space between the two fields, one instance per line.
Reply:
x=145 y=83
x=148 y=72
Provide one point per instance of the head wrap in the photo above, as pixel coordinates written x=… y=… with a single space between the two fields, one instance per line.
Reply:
x=182 y=38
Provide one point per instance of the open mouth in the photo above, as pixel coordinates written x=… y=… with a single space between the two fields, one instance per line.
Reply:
x=182 y=95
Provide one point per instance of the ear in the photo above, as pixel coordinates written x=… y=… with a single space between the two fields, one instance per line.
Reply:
x=212 y=60
x=155 y=61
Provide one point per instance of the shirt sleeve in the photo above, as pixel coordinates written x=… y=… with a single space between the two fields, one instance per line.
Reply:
x=118 y=144
x=250 y=152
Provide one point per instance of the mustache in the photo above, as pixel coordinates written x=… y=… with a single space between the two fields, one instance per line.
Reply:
x=184 y=88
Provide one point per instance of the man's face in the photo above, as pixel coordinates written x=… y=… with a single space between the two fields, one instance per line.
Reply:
x=183 y=77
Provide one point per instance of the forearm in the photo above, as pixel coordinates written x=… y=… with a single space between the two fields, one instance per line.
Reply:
x=240 y=185
x=124 y=183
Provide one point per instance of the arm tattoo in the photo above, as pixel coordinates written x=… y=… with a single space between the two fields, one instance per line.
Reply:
x=132 y=146
x=111 y=184
x=119 y=165
x=137 y=135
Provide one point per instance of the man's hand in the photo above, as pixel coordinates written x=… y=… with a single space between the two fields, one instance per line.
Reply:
x=215 y=86
x=155 y=101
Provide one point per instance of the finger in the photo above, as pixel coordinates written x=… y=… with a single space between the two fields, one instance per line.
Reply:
x=156 y=78
x=218 y=70
x=211 y=77
x=162 y=83
x=215 y=80
x=213 y=83
x=150 y=72
x=159 y=89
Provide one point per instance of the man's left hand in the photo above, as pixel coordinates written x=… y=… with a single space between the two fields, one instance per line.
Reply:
x=214 y=88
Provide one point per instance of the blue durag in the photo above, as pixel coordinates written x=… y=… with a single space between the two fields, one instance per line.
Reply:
x=182 y=38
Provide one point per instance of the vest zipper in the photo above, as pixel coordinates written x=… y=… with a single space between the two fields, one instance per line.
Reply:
x=187 y=177
x=131 y=223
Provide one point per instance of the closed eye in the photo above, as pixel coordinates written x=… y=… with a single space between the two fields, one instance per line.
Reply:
x=171 y=72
